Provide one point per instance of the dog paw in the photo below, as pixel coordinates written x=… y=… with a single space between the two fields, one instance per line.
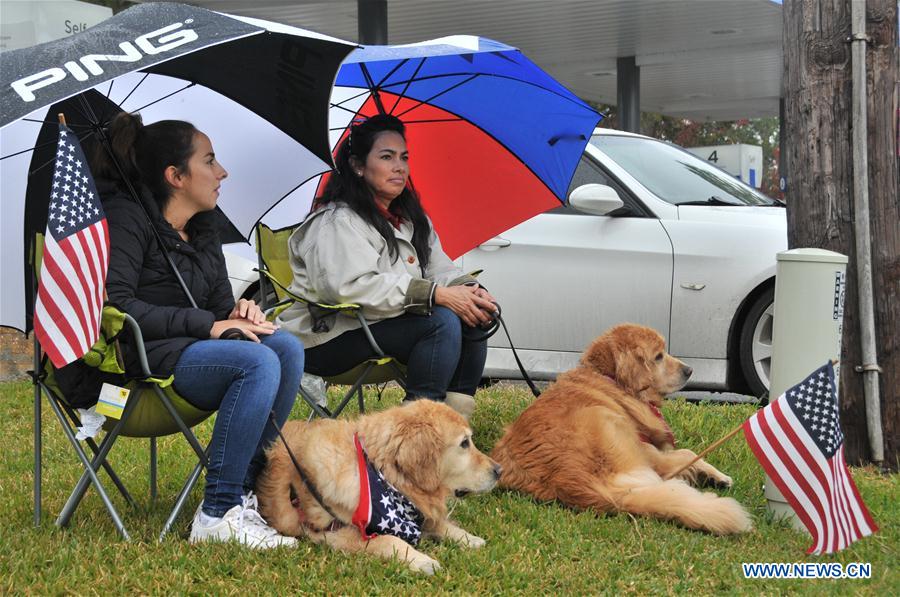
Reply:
x=425 y=565
x=723 y=482
x=719 y=481
x=471 y=541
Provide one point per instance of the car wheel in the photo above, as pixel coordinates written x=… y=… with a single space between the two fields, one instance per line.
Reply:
x=756 y=343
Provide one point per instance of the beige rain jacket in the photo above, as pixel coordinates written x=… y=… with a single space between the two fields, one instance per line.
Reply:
x=337 y=257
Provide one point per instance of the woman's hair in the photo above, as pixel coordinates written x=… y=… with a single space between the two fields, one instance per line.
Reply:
x=144 y=152
x=345 y=187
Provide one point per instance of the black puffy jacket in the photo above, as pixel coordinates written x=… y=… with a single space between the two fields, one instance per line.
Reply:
x=141 y=282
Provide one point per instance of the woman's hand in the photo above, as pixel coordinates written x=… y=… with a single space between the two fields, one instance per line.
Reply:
x=484 y=294
x=467 y=302
x=251 y=330
x=249 y=310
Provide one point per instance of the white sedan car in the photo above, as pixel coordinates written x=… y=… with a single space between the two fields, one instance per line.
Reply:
x=651 y=235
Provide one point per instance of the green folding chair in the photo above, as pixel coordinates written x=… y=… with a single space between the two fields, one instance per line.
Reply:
x=152 y=410
x=275 y=277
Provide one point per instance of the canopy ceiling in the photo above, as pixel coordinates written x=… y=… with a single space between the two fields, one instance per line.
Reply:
x=700 y=59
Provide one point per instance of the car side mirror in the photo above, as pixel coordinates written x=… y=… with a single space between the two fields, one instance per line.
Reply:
x=595 y=199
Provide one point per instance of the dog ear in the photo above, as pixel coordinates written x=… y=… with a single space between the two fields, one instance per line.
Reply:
x=599 y=356
x=632 y=371
x=417 y=456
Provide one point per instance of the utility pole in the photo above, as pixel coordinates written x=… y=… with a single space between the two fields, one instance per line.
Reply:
x=824 y=204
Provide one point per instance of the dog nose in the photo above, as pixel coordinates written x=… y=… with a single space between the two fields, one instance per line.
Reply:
x=498 y=470
x=686 y=371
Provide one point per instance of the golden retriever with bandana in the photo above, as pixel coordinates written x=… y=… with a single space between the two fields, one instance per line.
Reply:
x=595 y=439
x=423 y=449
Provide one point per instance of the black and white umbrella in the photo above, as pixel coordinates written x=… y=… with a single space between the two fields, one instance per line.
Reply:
x=260 y=90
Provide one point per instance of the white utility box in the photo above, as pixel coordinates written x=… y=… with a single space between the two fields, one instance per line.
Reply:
x=740 y=160
x=810 y=287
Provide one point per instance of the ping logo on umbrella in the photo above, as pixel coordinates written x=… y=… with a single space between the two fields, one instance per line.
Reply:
x=166 y=38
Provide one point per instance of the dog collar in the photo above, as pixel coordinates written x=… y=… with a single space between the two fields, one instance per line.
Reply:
x=334 y=525
x=657 y=413
x=669 y=434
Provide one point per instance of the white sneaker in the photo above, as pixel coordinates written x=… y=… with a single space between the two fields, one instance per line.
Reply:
x=242 y=524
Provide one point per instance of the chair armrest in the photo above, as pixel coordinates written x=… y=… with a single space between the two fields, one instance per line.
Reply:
x=346 y=308
x=138 y=338
x=349 y=309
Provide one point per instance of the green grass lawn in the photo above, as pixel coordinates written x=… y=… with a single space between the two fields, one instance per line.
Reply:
x=532 y=548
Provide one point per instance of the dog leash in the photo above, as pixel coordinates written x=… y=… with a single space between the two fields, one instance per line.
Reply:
x=525 y=375
x=482 y=333
x=303 y=476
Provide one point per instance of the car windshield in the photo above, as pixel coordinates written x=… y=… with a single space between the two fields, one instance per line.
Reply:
x=675 y=175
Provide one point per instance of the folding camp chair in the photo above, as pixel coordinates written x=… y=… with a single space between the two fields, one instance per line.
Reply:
x=275 y=277
x=152 y=410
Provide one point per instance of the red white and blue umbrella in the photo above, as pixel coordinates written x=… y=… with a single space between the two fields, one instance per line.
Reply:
x=493 y=139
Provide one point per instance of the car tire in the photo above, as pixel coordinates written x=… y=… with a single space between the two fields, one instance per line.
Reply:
x=755 y=348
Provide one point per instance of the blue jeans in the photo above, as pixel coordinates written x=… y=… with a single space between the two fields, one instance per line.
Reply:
x=244 y=381
x=437 y=357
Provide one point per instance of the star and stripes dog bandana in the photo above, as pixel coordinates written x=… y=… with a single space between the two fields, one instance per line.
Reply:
x=383 y=510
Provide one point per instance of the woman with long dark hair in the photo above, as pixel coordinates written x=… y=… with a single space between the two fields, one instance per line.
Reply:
x=173 y=167
x=368 y=241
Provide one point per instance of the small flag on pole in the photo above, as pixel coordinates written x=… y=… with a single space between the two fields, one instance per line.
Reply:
x=798 y=441
x=75 y=258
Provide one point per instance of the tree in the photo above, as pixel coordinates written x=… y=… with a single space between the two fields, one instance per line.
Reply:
x=817 y=89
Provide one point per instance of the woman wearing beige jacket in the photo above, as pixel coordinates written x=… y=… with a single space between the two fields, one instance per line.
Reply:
x=369 y=242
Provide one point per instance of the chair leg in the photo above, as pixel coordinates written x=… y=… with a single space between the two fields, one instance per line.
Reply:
x=182 y=498
x=317 y=409
x=106 y=466
x=89 y=473
x=356 y=387
x=37 y=449
x=400 y=378
x=202 y=457
x=187 y=433
x=112 y=474
x=153 y=468
x=88 y=476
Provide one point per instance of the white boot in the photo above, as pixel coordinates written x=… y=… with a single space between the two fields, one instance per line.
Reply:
x=461 y=403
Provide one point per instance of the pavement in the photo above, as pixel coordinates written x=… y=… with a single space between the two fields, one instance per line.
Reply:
x=722 y=397
x=690 y=396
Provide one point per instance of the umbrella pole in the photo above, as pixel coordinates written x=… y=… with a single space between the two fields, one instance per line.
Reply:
x=104 y=140
x=375 y=95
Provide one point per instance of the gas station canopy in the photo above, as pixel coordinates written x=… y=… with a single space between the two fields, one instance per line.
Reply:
x=699 y=59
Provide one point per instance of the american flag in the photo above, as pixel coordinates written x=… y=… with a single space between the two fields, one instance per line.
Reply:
x=799 y=443
x=382 y=510
x=75 y=258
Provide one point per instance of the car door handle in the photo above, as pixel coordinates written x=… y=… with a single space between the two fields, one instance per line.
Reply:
x=498 y=242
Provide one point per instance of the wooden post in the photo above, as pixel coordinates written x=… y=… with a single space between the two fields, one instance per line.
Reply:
x=820 y=208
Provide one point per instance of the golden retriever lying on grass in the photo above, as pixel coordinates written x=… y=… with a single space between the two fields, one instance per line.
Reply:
x=424 y=450
x=595 y=440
